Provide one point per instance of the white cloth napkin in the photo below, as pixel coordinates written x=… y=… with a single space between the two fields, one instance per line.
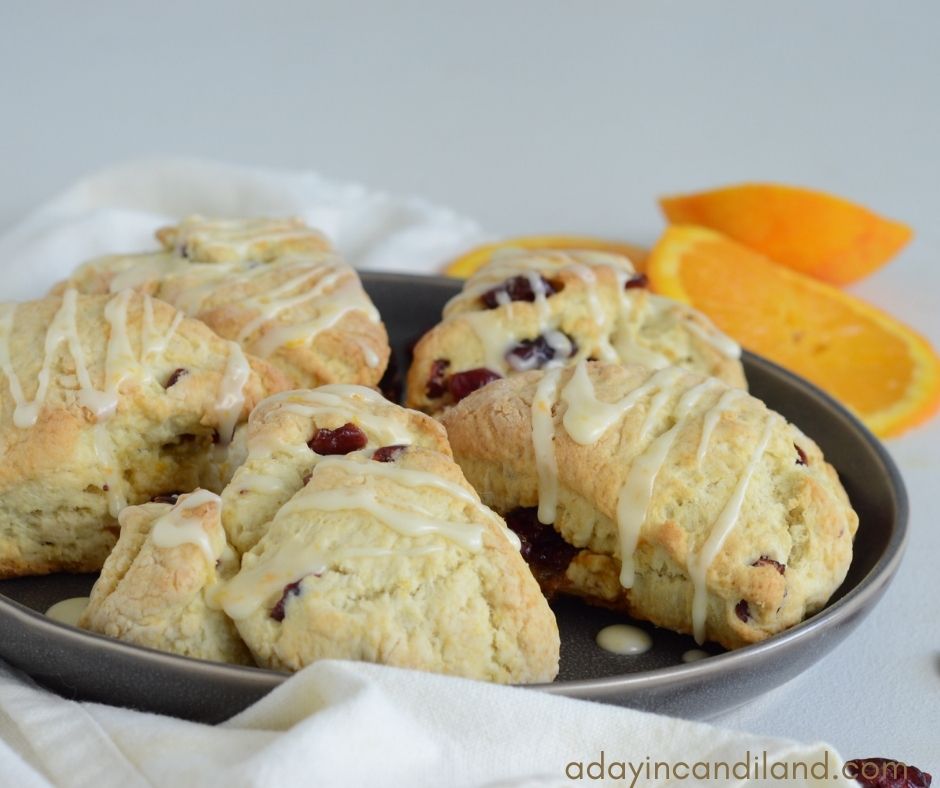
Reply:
x=335 y=723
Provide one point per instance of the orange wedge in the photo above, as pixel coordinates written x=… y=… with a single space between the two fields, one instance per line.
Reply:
x=817 y=233
x=467 y=264
x=881 y=369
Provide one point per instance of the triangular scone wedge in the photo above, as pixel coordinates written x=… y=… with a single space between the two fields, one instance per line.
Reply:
x=395 y=562
x=106 y=401
x=153 y=587
x=530 y=308
x=692 y=505
x=274 y=286
x=290 y=432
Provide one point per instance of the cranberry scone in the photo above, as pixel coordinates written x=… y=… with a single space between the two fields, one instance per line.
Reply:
x=108 y=400
x=677 y=499
x=530 y=309
x=381 y=551
x=154 y=586
x=273 y=286
x=290 y=432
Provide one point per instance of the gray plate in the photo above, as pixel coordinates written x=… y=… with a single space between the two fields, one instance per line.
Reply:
x=83 y=665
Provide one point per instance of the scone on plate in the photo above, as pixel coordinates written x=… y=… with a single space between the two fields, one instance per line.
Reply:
x=273 y=286
x=678 y=499
x=153 y=588
x=290 y=432
x=389 y=556
x=106 y=401
x=531 y=309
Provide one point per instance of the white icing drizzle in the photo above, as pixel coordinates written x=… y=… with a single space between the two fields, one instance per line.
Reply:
x=714 y=337
x=107 y=464
x=694 y=655
x=352 y=463
x=260 y=482
x=347 y=402
x=263 y=583
x=588 y=418
x=68 y=611
x=624 y=640
x=271 y=304
x=7 y=316
x=543 y=444
x=145 y=268
x=637 y=492
x=726 y=402
x=699 y=564
x=415 y=521
x=153 y=344
x=230 y=399
x=347 y=298
x=178 y=526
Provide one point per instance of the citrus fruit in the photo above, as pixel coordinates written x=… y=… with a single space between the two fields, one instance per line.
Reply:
x=880 y=368
x=817 y=233
x=465 y=265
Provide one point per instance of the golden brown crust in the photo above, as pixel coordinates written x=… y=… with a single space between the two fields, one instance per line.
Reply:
x=155 y=596
x=62 y=476
x=419 y=601
x=273 y=286
x=795 y=515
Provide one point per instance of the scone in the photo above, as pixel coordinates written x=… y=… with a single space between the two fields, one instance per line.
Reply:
x=290 y=432
x=273 y=286
x=389 y=556
x=538 y=309
x=152 y=589
x=680 y=500
x=108 y=401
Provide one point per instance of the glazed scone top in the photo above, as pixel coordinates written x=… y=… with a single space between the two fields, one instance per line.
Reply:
x=291 y=432
x=670 y=459
x=273 y=286
x=224 y=240
x=95 y=352
x=530 y=309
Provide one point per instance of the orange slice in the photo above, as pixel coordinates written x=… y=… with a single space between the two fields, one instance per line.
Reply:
x=467 y=264
x=881 y=369
x=813 y=232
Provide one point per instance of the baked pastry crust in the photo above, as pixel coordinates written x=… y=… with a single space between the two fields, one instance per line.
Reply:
x=573 y=305
x=280 y=457
x=718 y=504
x=273 y=286
x=153 y=587
x=107 y=401
x=394 y=562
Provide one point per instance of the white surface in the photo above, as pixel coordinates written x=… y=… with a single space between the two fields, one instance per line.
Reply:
x=547 y=116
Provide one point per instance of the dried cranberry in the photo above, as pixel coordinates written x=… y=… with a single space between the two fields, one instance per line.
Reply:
x=886 y=773
x=175 y=375
x=462 y=384
x=291 y=589
x=216 y=438
x=742 y=610
x=518 y=288
x=437 y=383
x=536 y=353
x=388 y=453
x=342 y=440
x=547 y=554
x=765 y=561
x=639 y=280
x=801 y=455
x=170 y=498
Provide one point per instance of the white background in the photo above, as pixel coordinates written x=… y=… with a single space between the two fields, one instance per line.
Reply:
x=546 y=117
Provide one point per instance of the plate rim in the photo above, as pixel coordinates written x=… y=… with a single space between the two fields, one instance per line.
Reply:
x=852 y=606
